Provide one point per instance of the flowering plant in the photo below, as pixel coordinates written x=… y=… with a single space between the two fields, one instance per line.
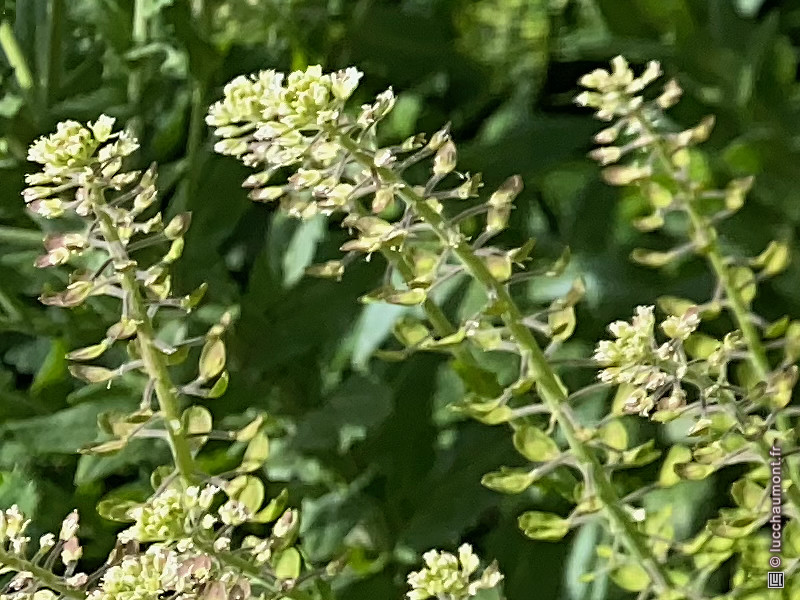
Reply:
x=724 y=396
x=213 y=535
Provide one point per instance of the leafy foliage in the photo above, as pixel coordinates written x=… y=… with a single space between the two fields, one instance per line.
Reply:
x=401 y=474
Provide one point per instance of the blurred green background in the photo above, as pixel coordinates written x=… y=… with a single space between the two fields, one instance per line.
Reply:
x=368 y=448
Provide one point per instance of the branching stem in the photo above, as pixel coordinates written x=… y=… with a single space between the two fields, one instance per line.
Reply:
x=154 y=361
x=41 y=575
x=552 y=391
x=706 y=235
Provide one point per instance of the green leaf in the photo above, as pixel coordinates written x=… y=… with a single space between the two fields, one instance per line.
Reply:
x=212 y=358
x=543 y=526
x=256 y=453
x=273 y=509
x=508 y=480
x=116 y=509
x=631 y=577
x=534 y=444
x=302 y=247
x=287 y=564
x=676 y=455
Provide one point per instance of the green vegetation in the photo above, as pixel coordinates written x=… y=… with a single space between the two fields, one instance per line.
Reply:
x=387 y=352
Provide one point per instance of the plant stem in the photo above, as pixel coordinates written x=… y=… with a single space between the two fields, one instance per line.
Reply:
x=154 y=361
x=42 y=576
x=15 y=57
x=706 y=236
x=136 y=79
x=550 y=388
x=55 y=52
x=20 y=236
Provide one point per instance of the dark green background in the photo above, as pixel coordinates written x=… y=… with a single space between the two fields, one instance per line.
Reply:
x=369 y=450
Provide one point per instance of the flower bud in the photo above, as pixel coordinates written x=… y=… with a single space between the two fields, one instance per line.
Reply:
x=445 y=160
x=178 y=226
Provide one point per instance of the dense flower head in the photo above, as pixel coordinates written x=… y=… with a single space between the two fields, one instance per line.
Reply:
x=615 y=93
x=276 y=109
x=635 y=358
x=448 y=576
x=141 y=577
x=72 y=156
x=169 y=515
x=13 y=525
x=303 y=98
x=270 y=120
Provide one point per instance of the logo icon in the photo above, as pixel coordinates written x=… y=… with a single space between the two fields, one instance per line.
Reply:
x=775 y=579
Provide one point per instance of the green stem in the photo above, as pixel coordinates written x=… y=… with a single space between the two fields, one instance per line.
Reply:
x=136 y=79
x=20 y=236
x=549 y=385
x=194 y=141
x=154 y=361
x=42 y=576
x=54 y=62
x=706 y=237
x=15 y=57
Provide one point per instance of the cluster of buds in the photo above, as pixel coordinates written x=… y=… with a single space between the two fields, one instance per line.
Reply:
x=75 y=156
x=449 y=576
x=12 y=529
x=270 y=121
x=170 y=515
x=339 y=167
x=654 y=371
x=163 y=570
x=617 y=93
x=82 y=176
x=64 y=549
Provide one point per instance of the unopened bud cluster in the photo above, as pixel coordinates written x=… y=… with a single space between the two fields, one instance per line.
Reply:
x=449 y=576
x=654 y=370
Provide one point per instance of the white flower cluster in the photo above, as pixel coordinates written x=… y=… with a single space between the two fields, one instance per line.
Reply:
x=269 y=121
x=615 y=93
x=73 y=156
x=278 y=112
x=158 y=572
x=170 y=515
x=635 y=358
x=12 y=529
x=449 y=576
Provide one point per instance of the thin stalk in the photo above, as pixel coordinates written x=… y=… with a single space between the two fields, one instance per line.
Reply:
x=195 y=138
x=55 y=51
x=552 y=391
x=136 y=79
x=154 y=361
x=705 y=231
x=41 y=575
x=20 y=236
x=15 y=57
